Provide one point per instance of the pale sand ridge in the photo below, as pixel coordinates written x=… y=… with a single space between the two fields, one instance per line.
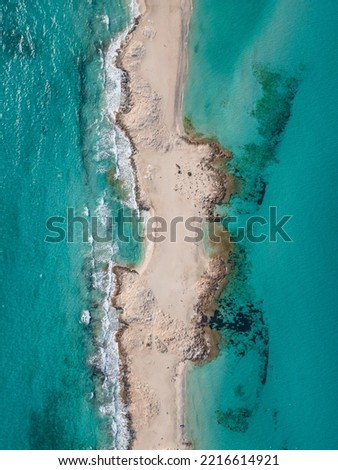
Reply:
x=158 y=300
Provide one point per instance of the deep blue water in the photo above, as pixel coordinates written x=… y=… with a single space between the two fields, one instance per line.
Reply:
x=262 y=79
x=59 y=386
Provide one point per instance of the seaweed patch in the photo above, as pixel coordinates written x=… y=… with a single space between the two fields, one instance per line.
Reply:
x=272 y=112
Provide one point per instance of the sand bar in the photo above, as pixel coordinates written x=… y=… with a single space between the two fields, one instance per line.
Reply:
x=160 y=302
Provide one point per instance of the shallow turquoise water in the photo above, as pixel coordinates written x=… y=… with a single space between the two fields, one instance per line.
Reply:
x=276 y=379
x=58 y=382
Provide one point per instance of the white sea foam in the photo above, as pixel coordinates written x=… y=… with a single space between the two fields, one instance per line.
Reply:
x=105 y=19
x=85 y=317
x=111 y=141
x=113 y=88
x=106 y=357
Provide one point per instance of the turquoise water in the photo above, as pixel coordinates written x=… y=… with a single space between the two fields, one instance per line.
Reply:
x=270 y=68
x=59 y=386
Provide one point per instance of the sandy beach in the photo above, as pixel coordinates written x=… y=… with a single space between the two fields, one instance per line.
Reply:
x=163 y=302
